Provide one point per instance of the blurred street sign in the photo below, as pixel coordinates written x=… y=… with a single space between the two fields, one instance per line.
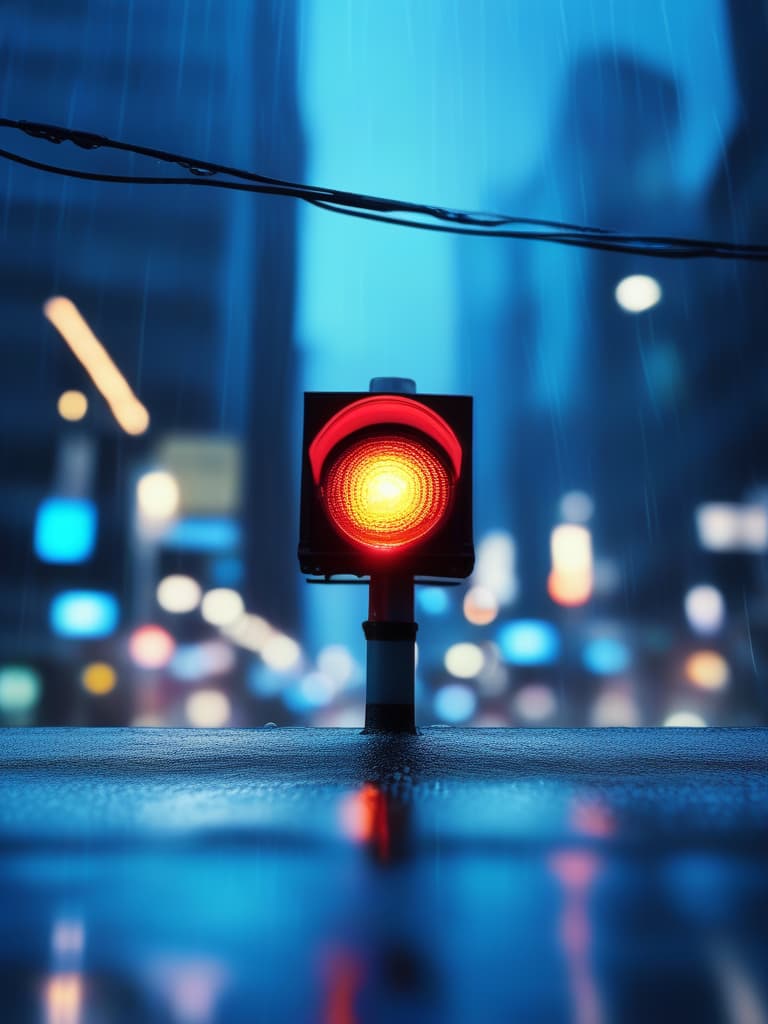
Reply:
x=208 y=470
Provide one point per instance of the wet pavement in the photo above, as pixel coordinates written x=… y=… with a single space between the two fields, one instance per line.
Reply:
x=482 y=875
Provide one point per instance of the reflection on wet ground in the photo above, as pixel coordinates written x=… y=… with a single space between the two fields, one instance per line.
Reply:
x=319 y=875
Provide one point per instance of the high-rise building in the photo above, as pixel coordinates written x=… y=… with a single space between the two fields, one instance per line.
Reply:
x=189 y=289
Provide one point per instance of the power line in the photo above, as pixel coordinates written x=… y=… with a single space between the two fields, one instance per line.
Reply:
x=422 y=216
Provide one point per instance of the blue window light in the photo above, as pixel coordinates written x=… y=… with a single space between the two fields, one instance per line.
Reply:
x=84 y=614
x=65 y=530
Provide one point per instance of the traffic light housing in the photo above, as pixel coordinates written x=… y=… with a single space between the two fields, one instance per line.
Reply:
x=386 y=485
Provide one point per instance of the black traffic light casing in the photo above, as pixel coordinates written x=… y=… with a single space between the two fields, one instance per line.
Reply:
x=448 y=553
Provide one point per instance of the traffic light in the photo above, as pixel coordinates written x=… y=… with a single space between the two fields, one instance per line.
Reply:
x=386 y=484
x=386 y=492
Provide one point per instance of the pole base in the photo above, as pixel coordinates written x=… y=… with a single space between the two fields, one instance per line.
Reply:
x=390 y=718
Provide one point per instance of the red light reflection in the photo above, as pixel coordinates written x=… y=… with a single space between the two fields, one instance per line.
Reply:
x=365 y=819
x=576 y=871
x=593 y=818
x=344 y=977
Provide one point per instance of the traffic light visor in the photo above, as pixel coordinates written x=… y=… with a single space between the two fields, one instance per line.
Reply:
x=375 y=410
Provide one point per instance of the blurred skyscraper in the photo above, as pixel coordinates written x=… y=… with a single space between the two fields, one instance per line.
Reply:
x=576 y=383
x=733 y=372
x=190 y=290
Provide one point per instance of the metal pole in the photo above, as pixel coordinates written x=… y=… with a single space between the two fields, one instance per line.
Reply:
x=390 y=632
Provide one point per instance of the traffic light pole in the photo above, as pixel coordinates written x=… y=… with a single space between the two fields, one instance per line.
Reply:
x=390 y=632
x=387 y=480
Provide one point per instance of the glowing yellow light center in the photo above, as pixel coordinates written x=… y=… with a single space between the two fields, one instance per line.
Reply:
x=387 y=492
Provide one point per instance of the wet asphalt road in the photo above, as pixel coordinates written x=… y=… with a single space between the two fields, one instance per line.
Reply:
x=282 y=875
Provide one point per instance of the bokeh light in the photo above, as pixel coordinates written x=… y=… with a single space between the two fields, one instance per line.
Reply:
x=128 y=411
x=221 y=606
x=480 y=606
x=754 y=528
x=20 y=689
x=281 y=652
x=534 y=702
x=193 y=662
x=189 y=985
x=615 y=707
x=99 y=678
x=65 y=530
x=208 y=709
x=178 y=594
x=576 y=507
x=496 y=568
x=217 y=657
x=685 y=720
x=455 y=703
x=63 y=996
x=493 y=678
x=569 y=591
x=707 y=670
x=186 y=663
x=606 y=656
x=717 y=524
x=314 y=690
x=464 y=660
x=249 y=631
x=72 y=406
x=336 y=662
x=266 y=682
x=571 y=579
x=704 y=609
x=731 y=526
x=151 y=646
x=638 y=293
x=571 y=548
x=529 y=642
x=84 y=614
x=158 y=496
x=67 y=939
x=432 y=600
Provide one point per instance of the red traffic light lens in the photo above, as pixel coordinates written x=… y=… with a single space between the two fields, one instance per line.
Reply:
x=387 y=492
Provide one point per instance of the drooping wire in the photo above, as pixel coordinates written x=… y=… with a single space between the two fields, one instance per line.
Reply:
x=662 y=248
x=89 y=140
x=204 y=173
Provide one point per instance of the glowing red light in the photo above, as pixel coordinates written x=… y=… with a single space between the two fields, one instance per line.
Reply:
x=387 y=492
